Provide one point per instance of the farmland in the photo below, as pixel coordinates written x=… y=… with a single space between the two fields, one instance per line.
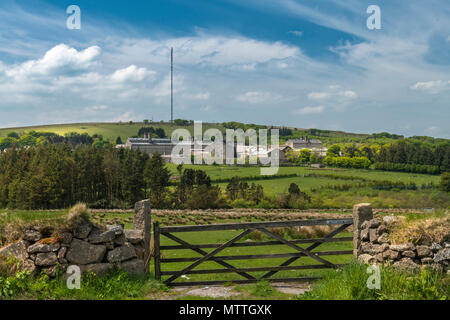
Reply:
x=337 y=188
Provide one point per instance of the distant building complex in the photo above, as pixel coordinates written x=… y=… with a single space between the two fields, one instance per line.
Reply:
x=165 y=147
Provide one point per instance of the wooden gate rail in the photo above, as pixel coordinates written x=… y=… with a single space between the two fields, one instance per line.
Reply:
x=247 y=229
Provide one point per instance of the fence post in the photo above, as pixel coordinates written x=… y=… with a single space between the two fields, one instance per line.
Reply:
x=143 y=221
x=156 y=243
x=361 y=212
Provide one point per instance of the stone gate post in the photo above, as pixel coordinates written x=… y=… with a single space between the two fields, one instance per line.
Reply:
x=361 y=212
x=142 y=221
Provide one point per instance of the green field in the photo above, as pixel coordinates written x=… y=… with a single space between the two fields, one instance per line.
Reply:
x=281 y=185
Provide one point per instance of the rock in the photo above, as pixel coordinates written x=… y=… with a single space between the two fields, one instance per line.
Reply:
x=364 y=234
x=373 y=236
x=28 y=265
x=109 y=245
x=62 y=255
x=374 y=223
x=393 y=255
x=100 y=269
x=43 y=248
x=140 y=252
x=32 y=256
x=51 y=272
x=134 y=267
x=365 y=225
x=134 y=236
x=447 y=245
x=122 y=253
x=367 y=248
x=366 y=258
x=96 y=236
x=435 y=247
x=373 y=249
x=384 y=238
x=424 y=251
x=120 y=240
x=406 y=264
x=442 y=256
x=381 y=230
x=82 y=231
x=18 y=250
x=46 y=259
x=409 y=253
x=32 y=235
x=402 y=247
x=81 y=252
x=66 y=237
x=426 y=260
x=118 y=230
x=376 y=248
x=434 y=267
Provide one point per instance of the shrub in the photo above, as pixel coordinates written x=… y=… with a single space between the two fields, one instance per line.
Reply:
x=79 y=214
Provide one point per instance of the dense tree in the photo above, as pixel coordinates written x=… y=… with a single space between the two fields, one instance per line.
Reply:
x=157 y=179
x=57 y=176
x=445 y=182
x=334 y=150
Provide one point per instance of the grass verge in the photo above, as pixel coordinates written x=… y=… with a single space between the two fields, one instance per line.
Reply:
x=350 y=283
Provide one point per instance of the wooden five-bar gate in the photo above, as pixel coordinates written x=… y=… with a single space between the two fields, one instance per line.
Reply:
x=247 y=228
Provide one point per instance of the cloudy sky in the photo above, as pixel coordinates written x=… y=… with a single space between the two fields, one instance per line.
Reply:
x=308 y=63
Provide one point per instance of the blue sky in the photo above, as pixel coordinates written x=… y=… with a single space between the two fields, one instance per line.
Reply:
x=309 y=63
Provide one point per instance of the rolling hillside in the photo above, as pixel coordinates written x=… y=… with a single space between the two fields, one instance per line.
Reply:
x=111 y=131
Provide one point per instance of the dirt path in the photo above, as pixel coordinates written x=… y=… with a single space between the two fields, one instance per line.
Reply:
x=227 y=292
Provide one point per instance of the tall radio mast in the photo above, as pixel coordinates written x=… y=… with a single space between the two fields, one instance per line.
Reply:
x=171 y=85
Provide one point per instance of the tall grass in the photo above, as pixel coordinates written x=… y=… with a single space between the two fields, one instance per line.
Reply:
x=350 y=283
x=114 y=286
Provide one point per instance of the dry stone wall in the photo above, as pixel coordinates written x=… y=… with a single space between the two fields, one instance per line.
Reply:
x=91 y=247
x=372 y=244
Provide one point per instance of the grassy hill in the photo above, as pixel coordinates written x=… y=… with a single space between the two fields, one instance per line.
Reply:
x=125 y=130
x=107 y=129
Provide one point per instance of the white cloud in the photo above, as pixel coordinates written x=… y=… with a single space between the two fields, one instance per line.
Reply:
x=333 y=92
x=310 y=110
x=349 y=94
x=203 y=49
x=318 y=95
x=132 y=73
x=432 y=87
x=98 y=108
x=59 y=60
x=125 y=117
x=258 y=97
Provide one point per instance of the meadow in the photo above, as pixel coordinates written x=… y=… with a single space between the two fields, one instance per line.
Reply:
x=336 y=188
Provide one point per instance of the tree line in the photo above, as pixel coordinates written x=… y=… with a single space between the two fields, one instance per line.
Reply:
x=418 y=155
x=53 y=176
